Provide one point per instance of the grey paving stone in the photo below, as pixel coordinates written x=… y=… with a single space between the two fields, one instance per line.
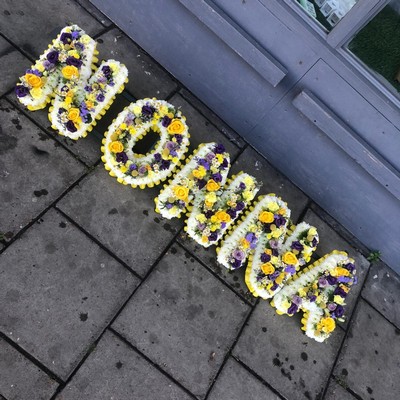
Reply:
x=33 y=28
x=91 y=9
x=369 y=362
x=86 y=149
x=115 y=371
x=337 y=392
x=275 y=348
x=201 y=131
x=213 y=118
x=121 y=218
x=183 y=319
x=208 y=256
x=236 y=383
x=382 y=290
x=12 y=64
x=33 y=171
x=58 y=291
x=330 y=240
x=273 y=181
x=20 y=379
x=146 y=77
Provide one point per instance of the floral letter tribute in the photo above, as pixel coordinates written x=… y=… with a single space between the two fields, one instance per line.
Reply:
x=276 y=251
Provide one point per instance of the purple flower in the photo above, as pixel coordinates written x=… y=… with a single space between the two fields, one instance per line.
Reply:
x=132 y=167
x=265 y=257
x=74 y=61
x=71 y=127
x=75 y=35
x=213 y=237
x=148 y=111
x=52 y=56
x=273 y=244
x=339 y=311
x=312 y=297
x=275 y=252
x=223 y=225
x=165 y=164
x=331 y=280
x=203 y=163
x=88 y=88
x=296 y=245
x=274 y=275
x=34 y=72
x=106 y=71
x=242 y=186
x=157 y=157
x=100 y=97
x=355 y=280
x=66 y=37
x=201 y=183
x=250 y=237
x=178 y=138
x=168 y=206
x=142 y=170
x=240 y=206
x=129 y=118
x=231 y=213
x=297 y=300
x=292 y=309
x=219 y=149
x=21 y=91
x=279 y=220
x=340 y=292
x=274 y=286
x=170 y=145
x=224 y=164
x=350 y=267
x=217 y=177
x=239 y=255
x=209 y=214
x=210 y=156
x=322 y=282
x=236 y=264
x=201 y=226
x=290 y=269
x=332 y=306
x=166 y=121
x=121 y=157
x=314 y=242
x=344 y=279
x=48 y=65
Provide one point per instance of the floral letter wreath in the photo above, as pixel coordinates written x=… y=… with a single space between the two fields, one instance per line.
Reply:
x=133 y=124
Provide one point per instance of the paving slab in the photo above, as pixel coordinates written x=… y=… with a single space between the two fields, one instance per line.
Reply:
x=10 y=56
x=369 y=362
x=330 y=240
x=121 y=218
x=91 y=9
x=33 y=172
x=115 y=371
x=275 y=348
x=236 y=383
x=33 y=28
x=200 y=129
x=273 y=181
x=20 y=379
x=382 y=291
x=213 y=118
x=58 y=291
x=184 y=319
x=208 y=256
x=86 y=149
x=337 y=392
x=146 y=77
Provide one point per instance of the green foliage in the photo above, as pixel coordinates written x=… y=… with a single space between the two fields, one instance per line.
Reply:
x=375 y=255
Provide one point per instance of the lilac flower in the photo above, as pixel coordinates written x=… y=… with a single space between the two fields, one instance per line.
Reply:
x=249 y=237
x=332 y=306
x=170 y=145
x=74 y=61
x=66 y=37
x=322 y=282
x=34 y=72
x=343 y=279
x=296 y=245
x=219 y=149
x=279 y=220
x=142 y=170
x=297 y=300
x=273 y=244
x=290 y=269
x=48 y=65
x=292 y=309
x=166 y=121
x=52 y=56
x=209 y=157
x=100 y=97
x=203 y=163
x=71 y=126
x=355 y=280
x=201 y=226
x=75 y=35
x=21 y=91
x=265 y=257
x=121 y=157
x=223 y=225
x=132 y=167
x=239 y=255
x=129 y=118
x=168 y=206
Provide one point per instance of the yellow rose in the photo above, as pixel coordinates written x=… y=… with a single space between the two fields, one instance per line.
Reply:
x=70 y=72
x=36 y=93
x=273 y=206
x=339 y=271
x=280 y=278
x=267 y=268
x=73 y=114
x=244 y=243
x=289 y=258
x=211 y=198
x=199 y=172
x=116 y=147
x=33 y=80
x=327 y=325
x=212 y=186
x=223 y=216
x=266 y=217
x=181 y=192
x=176 y=126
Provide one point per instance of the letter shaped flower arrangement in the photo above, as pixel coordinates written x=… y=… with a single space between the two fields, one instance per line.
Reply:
x=275 y=250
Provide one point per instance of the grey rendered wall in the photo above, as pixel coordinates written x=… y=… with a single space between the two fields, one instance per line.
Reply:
x=249 y=61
